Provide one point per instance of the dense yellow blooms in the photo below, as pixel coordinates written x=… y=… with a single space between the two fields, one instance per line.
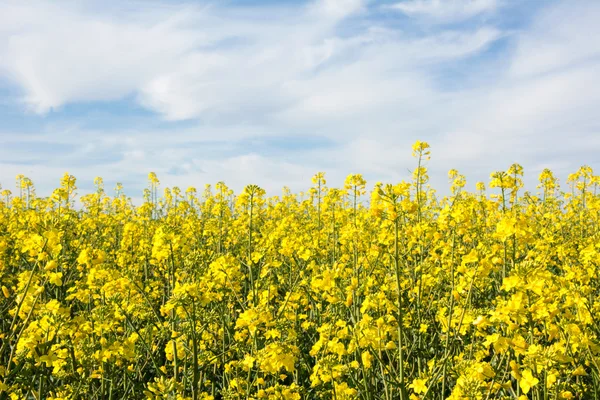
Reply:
x=329 y=294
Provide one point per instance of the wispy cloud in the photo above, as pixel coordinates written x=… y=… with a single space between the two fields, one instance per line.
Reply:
x=445 y=10
x=562 y=37
x=206 y=62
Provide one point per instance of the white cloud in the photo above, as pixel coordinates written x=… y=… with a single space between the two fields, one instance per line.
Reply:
x=337 y=9
x=562 y=37
x=445 y=10
x=207 y=63
x=66 y=55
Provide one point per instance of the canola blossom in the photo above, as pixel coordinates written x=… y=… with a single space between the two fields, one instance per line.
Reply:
x=335 y=293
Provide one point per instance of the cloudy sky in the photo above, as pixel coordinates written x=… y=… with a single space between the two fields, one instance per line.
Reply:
x=272 y=91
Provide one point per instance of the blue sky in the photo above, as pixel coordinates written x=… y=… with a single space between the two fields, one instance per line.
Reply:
x=270 y=92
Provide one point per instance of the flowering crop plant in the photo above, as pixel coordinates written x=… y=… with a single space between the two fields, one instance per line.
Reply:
x=334 y=293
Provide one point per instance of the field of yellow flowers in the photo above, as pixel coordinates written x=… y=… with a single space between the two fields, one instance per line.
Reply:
x=330 y=294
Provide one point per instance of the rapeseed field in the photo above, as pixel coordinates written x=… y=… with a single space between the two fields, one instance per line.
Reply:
x=336 y=293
